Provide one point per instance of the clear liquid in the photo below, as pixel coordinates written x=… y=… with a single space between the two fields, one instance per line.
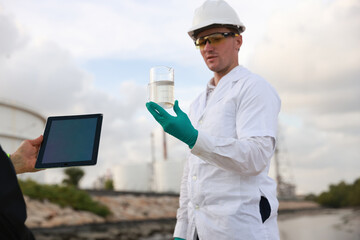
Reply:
x=162 y=92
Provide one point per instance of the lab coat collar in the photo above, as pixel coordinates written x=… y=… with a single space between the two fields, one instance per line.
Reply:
x=224 y=85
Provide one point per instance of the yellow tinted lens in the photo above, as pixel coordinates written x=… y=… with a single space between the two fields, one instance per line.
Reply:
x=200 y=42
x=216 y=38
x=212 y=39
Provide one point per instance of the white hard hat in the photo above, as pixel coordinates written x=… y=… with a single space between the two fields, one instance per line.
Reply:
x=215 y=12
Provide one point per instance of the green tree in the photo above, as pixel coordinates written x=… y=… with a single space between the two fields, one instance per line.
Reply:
x=311 y=197
x=73 y=176
x=340 y=195
x=109 y=184
x=354 y=195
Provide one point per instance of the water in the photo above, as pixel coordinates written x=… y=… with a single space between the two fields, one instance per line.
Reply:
x=162 y=92
x=342 y=224
x=330 y=225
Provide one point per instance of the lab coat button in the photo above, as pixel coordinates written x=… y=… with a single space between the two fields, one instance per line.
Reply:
x=194 y=178
x=197 y=206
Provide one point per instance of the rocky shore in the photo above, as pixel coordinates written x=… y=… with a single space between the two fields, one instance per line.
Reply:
x=124 y=208
x=159 y=229
x=134 y=216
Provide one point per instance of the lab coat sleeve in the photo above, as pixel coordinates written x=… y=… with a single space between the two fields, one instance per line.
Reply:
x=247 y=156
x=251 y=143
x=182 y=212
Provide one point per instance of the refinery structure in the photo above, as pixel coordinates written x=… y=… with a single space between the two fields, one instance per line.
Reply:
x=159 y=175
x=286 y=188
x=19 y=122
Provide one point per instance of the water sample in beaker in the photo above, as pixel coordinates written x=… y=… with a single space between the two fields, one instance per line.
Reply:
x=161 y=86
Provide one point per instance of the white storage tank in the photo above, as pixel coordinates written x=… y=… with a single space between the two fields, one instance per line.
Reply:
x=132 y=177
x=17 y=123
x=161 y=176
x=167 y=175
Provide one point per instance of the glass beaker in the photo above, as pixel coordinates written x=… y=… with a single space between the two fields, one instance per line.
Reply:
x=161 y=86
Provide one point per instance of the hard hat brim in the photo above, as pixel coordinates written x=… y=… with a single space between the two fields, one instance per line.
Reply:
x=195 y=30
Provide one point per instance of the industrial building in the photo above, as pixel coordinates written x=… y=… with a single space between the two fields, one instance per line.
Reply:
x=17 y=123
x=160 y=176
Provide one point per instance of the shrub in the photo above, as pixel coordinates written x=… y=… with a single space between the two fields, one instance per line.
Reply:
x=64 y=196
x=341 y=195
x=311 y=197
x=73 y=176
x=109 y=184
x=354 y=195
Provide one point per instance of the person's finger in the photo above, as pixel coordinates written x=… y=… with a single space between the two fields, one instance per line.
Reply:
x=152 y=111
x=37 y=141
x=158 y=108
x=176 y=108
x=157 y=111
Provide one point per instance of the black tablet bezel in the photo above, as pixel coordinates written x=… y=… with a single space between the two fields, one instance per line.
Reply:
x=40 y=165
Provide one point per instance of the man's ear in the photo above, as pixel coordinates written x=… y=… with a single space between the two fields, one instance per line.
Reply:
x=239 y=42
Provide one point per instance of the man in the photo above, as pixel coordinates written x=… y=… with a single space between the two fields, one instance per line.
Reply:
x=231 y=130
x=12 y=204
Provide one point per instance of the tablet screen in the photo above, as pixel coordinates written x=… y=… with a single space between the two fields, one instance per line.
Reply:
x=70 y=141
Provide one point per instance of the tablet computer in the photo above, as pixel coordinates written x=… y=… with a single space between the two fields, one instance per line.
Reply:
x=70 y=141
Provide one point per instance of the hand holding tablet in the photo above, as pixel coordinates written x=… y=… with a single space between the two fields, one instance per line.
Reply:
x=70 y=141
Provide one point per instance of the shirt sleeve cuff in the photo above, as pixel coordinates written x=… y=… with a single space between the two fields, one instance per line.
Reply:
x=202 y=145
x=180 y=229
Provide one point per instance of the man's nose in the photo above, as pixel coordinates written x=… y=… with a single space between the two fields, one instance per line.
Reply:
x=208 y=45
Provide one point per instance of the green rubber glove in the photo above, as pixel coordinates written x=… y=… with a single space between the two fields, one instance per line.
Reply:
x=179 y=239
x=179 y=126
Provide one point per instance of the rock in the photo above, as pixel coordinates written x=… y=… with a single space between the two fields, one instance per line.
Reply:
x=46 y=214
x=123 y=207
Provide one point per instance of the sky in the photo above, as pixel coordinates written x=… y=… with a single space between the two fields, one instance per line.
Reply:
x=91 y=56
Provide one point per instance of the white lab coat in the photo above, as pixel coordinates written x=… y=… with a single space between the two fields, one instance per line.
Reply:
x=227 y=170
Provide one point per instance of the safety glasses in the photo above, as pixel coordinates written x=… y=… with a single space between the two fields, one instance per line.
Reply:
x=213 y=39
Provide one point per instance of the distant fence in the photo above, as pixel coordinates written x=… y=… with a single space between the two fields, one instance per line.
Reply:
x=134 y=193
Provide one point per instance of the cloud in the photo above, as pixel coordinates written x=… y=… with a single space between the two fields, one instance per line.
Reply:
x=311 y=54
x=308 y=50
x=315 y=56
x=45 y=76
x=119 y=29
